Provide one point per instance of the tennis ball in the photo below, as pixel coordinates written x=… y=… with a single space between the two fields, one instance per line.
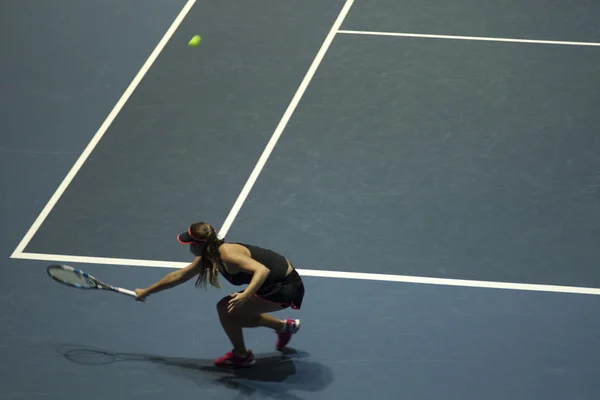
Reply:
x=195 y=41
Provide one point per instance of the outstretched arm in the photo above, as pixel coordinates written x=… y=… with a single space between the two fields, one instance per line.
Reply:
x=170 y=280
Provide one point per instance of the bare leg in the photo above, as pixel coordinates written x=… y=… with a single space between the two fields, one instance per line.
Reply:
x=266 y=321
x=232 y=328
x=250 y=315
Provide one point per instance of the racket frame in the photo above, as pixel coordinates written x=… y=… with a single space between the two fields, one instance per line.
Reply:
x=95 y=284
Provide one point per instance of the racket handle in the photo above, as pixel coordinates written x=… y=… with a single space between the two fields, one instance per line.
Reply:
x=126 y=291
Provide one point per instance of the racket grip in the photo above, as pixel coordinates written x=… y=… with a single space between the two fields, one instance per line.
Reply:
x=127 y=292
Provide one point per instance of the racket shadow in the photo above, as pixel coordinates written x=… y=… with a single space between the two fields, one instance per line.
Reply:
x=273 y=376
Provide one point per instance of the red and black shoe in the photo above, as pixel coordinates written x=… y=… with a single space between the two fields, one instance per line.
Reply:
x=231 y=359
x=283 y=338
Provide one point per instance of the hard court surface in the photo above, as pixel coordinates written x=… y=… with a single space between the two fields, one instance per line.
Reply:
x=432 y=169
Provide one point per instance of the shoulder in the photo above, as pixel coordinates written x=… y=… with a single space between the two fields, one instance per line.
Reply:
x=240 y=256
x=233 y=251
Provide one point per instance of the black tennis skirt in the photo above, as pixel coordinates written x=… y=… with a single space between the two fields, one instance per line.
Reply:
x=287 y=293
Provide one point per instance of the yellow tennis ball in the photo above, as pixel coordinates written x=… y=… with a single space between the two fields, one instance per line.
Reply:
x=195 y=41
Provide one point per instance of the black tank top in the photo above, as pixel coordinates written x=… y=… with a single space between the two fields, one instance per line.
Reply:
x=275 y=262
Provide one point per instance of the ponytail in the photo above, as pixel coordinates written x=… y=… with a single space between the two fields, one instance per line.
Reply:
x=209 y=271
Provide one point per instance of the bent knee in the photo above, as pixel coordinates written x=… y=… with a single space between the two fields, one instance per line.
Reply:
x=222 y=305
x=239 y=315
x=223 y=309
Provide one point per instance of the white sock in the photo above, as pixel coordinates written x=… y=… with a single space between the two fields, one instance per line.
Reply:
x=286 y=327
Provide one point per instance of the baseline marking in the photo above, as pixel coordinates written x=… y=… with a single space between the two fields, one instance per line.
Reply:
x=102 y=130
x=327 y=274
x=478 y=38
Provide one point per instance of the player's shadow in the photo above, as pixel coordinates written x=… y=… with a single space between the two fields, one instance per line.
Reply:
x=273 y=376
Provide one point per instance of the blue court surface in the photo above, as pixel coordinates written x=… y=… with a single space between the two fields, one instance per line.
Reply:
x=431 y=168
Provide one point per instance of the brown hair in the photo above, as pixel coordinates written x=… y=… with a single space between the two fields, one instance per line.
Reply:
x=209 y=271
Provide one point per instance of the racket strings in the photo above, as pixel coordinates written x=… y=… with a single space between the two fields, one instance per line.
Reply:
x=71 y=277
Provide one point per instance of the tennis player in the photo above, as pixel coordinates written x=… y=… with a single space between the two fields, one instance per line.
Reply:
x=272 y=285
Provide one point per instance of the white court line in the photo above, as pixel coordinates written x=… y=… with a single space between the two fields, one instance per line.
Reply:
x=487 y=39
x=131 y=262
x=327 y=274
x=285 y=119
x=102 y=130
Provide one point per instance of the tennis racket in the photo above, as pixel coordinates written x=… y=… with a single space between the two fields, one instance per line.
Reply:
x=82 y=280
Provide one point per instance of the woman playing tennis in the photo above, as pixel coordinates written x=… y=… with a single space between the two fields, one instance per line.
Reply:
x=273 y=285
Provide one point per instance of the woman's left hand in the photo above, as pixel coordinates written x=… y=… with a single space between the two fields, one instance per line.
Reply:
x=237 y=300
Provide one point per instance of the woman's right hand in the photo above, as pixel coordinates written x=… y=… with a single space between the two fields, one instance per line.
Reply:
x=141 y=294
